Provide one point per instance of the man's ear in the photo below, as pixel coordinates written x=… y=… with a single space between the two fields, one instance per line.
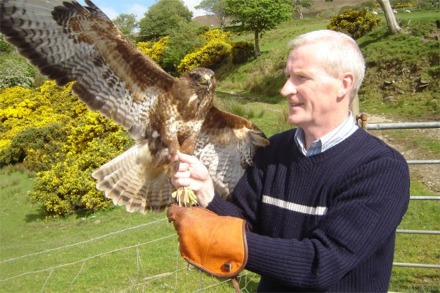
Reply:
x=347 y=84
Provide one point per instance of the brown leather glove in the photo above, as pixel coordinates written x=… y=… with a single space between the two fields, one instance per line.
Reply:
x=212 y=243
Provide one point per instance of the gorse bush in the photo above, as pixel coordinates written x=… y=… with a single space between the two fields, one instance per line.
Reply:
x=51 y=132
x=212 y=55
x=210 y=49
x=356 y=23
x=154 y=50
x=23 y=113
x=215 y=52
x=67 y=187
x=35 y=146
x=217 y=35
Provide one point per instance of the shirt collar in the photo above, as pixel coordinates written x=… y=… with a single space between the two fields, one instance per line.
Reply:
x=329 y=140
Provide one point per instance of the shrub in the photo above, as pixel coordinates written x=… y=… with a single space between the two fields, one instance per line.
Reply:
x=183 y=40
x=5 y=47
x=403 y=4
x=36 y=147
x=26 y=114
x=15 y=71
x=211 y=56
x=51 y=132
x=217 y=35
x=242 y=52
x=356 y=23
x=154 y=50
x=67 y=187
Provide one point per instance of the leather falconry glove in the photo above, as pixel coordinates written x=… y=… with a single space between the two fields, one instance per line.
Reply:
x=215 y=244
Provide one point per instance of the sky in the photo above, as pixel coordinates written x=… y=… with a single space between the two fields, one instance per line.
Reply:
x=112 y=8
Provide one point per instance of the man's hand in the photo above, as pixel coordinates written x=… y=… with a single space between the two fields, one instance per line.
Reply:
x=192 y=174
x=212 y=243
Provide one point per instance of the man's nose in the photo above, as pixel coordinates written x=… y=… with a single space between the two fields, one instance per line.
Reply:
x=288 y=89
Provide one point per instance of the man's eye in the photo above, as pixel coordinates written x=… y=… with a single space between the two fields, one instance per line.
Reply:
x=301 y=77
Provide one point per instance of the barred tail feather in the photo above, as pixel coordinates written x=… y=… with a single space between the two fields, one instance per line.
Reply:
x=133 y=180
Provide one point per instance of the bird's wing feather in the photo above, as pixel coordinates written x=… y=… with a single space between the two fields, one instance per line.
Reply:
x=71 y=42
x=226 y=146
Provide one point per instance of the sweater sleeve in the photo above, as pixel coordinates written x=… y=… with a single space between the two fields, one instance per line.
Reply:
x=364 y=213
x=245 y=198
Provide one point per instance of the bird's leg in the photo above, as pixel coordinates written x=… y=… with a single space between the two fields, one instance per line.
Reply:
x=184 y=196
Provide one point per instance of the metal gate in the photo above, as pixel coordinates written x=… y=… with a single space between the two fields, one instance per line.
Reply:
x=362 y=121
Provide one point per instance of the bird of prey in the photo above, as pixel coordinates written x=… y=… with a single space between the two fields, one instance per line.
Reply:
x=70 y=42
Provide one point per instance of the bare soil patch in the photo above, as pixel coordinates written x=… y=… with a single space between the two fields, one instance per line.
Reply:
x=428 y=174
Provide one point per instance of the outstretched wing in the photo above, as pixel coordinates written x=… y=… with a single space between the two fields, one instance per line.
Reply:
x=71 y=42
x=226 y=146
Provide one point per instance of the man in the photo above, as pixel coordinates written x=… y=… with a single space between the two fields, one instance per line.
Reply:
x=321 y=203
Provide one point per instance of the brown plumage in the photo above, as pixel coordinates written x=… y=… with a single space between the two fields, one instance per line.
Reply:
x=70 y=42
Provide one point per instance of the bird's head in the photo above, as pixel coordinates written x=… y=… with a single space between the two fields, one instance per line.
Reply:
x=202 y=79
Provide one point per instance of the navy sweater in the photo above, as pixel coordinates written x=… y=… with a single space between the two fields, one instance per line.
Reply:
x=322 y=223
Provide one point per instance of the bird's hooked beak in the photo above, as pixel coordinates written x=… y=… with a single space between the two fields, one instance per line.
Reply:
x=207 y=80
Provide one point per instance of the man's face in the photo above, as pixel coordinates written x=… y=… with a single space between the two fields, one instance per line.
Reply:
x=312 y=94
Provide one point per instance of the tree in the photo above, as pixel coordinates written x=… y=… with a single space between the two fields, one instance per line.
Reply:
x=299 y=5
x=258 y=16
x=393 y=26
x=216 y=7
x=183 y=40
x=126 y=23
x=163 y=18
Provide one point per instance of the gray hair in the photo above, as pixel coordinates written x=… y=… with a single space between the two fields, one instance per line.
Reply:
x=343 y=54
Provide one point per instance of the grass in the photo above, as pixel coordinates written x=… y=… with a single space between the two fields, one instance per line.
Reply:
x=422 y=249
x=268 y=116
x=115 y=251
x=111 y=251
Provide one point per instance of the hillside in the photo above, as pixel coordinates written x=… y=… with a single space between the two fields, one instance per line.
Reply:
x=323 y=5
x=403 y=72
x=318 y=6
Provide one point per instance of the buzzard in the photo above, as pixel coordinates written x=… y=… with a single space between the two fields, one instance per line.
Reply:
x=70 y=42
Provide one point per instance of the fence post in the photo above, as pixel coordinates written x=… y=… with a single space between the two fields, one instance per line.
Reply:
x=355 y=106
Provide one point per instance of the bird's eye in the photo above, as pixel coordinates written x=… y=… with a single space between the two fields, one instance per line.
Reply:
x=194 y=76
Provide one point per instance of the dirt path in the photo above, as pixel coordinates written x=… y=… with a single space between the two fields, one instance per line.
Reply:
x=428 y=174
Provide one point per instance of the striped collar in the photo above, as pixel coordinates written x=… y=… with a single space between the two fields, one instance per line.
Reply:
x=329 y=140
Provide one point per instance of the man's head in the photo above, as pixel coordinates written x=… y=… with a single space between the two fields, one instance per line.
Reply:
x=342 y=54
x=324 y=72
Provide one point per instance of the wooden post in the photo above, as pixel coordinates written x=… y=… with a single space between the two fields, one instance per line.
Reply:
x=354 y=106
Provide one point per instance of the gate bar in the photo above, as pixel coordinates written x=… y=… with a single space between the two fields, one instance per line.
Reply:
x=417 y=162
x=418 y=265
x=424 y=197
x=418 y=232
x=402 y=125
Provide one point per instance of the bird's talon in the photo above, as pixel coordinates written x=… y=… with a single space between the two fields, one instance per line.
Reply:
x=185 y=197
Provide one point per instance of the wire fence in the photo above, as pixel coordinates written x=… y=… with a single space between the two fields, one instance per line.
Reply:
x=117 y=262
x=70 y=264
